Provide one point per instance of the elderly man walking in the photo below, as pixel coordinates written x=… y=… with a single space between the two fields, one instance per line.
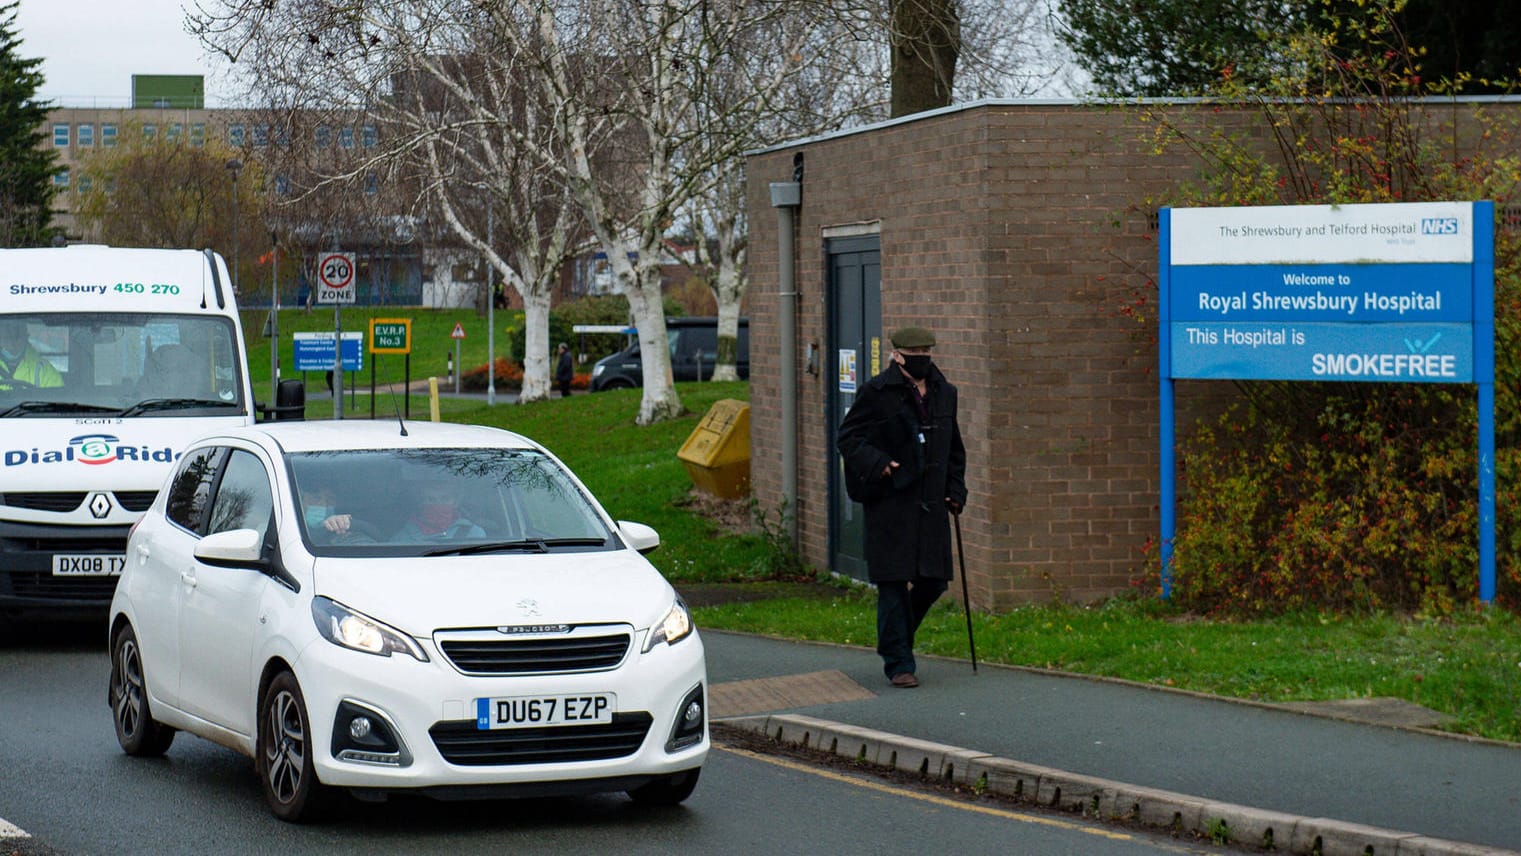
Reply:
x=906 y=465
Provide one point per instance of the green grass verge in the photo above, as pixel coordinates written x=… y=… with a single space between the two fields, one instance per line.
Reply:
x=431 y=342
x=1467 y=666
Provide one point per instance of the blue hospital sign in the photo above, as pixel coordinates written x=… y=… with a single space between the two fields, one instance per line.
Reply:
x=1321 y=292
x=1400 y=293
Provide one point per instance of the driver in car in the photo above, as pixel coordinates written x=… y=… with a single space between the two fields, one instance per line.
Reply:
x=319 y=511
x=20 y=362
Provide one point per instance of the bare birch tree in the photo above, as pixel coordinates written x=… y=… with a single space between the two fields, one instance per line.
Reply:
x=660 y=64
x=457 y=141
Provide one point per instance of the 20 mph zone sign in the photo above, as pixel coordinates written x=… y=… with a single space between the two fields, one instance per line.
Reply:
x=335 y=278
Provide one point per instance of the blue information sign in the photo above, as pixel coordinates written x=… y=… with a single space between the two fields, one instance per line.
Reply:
x=1413 y=353
x=313 y=352
x=1399 y=293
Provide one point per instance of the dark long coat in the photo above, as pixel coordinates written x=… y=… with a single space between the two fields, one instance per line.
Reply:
x=907 y=523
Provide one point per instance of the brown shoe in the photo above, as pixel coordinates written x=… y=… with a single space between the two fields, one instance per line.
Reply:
x=905 y=680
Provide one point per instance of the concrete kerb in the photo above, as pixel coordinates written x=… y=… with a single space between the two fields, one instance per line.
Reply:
x=1102 y=798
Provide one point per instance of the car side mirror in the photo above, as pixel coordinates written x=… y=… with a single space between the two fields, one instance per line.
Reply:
x=638 y=536
x=234 y=548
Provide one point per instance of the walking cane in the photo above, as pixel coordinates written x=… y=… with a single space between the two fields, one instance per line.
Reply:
x=966 y=599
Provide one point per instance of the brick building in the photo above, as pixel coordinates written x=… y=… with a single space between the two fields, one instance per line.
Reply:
x=1018 y=232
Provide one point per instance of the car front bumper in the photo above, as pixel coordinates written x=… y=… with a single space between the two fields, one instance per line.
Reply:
x=426 y=705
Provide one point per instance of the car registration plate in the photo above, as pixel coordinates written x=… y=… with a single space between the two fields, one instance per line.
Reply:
x=88 y=565
x=539 y=711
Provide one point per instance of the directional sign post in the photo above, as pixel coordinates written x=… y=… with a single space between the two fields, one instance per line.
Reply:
x=313 y=352
x=1396 y=293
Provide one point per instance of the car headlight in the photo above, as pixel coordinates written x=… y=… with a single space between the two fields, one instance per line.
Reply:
x=597 y=370
x=358 y=632
x=674 y=627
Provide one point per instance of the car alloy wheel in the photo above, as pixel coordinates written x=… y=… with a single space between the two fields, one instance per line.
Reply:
x=136 y=730
x=286 y=771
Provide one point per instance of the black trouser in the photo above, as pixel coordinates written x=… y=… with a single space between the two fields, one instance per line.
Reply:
x=564 y=388
x=900 y=608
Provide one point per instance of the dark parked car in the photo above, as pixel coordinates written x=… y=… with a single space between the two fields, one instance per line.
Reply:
x=694 y=351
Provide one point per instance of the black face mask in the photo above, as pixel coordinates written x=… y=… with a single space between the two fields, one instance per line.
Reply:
x=917 y=365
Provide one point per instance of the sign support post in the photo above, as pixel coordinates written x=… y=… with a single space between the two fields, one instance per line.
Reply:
x=391 y=336
x=1484 y=371
x=1167 y=431
x=458 y=335
x=335 y=285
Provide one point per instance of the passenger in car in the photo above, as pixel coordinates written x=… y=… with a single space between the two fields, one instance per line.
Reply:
x=438 y=517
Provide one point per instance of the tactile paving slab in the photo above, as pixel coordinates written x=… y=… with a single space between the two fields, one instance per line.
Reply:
x=737 y=698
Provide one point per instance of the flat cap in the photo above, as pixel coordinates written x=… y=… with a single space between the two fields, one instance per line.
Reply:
x=913 y=337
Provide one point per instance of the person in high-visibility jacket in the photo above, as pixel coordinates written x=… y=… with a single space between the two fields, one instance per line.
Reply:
x=20 y=364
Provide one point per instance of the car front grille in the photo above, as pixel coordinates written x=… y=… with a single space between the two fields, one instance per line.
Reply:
x=41 y=500
x=477 y=655
x=461 y=743
x=135 y=500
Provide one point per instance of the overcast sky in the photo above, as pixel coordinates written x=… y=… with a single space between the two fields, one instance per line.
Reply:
x=91 y=48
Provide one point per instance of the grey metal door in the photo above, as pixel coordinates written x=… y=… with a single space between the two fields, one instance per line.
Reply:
x=852 y=356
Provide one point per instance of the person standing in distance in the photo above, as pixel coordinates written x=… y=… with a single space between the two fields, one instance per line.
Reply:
x=906 y=465
x=564 y=372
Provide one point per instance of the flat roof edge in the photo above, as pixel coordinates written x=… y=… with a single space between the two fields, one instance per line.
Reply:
x=1079 y=102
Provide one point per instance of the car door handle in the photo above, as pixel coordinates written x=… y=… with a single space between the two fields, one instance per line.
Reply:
x=143 y=552
x=188 y=578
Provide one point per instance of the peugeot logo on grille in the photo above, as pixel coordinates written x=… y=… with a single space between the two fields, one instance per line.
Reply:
x=529 y=607
x=100 y=506
x=516 y=629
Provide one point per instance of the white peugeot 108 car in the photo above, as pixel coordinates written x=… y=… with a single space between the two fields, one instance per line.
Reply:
x=378 y=606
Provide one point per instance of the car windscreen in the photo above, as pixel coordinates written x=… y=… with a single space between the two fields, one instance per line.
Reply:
x=419 y=502
x=157 y=365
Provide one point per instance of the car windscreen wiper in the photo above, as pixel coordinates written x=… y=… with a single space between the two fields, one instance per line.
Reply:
x=527 y=545
x=174 y=404
x=29 y=407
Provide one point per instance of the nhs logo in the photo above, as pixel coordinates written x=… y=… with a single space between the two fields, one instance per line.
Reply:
x=1439 y=225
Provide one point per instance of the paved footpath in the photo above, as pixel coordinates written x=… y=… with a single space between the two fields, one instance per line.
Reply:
x=1414 y=791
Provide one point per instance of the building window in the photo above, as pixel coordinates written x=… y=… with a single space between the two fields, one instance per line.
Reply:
x=282 y=185
x=282 y=136
x=198 y=134
x=61 y=178
x=369 y=137
x=150 y=131
x=85 y=136
x=61 y=134
x=108 y=135
x=371 y=183
x=261 y=135
x=235 y=135
x=174 y=132
x=85 y=184
x=346 y=137
x=324 y=136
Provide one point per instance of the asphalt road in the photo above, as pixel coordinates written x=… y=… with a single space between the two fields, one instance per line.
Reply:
x=67 y=784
